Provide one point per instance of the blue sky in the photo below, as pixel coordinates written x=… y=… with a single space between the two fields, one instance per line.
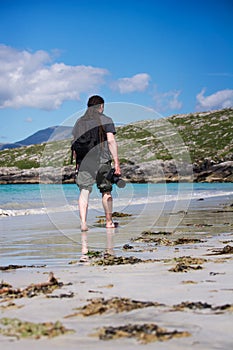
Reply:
x=173 y=56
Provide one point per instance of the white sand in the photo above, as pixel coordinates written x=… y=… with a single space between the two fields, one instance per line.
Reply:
x=143 y=281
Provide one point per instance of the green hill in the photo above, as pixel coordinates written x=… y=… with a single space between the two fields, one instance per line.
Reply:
x=198 y=136
x=202 y=135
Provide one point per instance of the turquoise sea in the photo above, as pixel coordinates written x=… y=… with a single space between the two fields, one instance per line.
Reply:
x=33 y=197
x=40 y=223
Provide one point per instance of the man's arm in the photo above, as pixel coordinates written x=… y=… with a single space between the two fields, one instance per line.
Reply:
x=114 y=151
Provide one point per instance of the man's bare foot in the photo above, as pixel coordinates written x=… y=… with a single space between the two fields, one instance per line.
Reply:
x=84 y=258
x=84 y=226
x=111 y=225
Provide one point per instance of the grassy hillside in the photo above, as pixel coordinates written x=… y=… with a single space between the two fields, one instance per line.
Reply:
x=207 y=134
x=199 y=135
x=34 y=156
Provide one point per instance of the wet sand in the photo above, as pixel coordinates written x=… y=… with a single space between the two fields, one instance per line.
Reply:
x=186 y=273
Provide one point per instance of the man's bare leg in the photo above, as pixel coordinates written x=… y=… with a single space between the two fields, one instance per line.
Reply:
x=83 y=207
x=107 y=204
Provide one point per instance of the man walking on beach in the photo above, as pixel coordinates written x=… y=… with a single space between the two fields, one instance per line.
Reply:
x=94 y=150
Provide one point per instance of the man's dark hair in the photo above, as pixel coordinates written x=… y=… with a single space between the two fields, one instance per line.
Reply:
x=95 y=100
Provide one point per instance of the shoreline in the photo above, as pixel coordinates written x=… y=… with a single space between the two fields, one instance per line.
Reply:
x=46 y=205
x=55 y=238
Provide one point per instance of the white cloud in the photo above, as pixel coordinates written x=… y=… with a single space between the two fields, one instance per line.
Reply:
x=28 y=120
x=32 y=80
x=220 y=99
x=138 y=82
x=167 y=101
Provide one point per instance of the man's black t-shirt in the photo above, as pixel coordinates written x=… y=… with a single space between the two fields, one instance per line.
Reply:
x=88 y=122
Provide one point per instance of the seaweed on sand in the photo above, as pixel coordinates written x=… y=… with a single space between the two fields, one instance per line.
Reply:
x=181 y=267
x=199 y=305
x=99 y=306
x=228 y=249
x=144 y=333
x=14 y=267
x=8 y=292
x=108 y=259
x=14 y=327
x=153 y=237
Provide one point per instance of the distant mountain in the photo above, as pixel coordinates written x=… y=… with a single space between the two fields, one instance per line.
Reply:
x=54 y=133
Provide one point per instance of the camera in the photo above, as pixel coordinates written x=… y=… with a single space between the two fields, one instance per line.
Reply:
x=115 y=179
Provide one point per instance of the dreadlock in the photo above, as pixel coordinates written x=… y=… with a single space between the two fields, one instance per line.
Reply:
x=93 y=104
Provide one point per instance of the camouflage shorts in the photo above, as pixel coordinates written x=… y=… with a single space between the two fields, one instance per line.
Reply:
x=85 y=179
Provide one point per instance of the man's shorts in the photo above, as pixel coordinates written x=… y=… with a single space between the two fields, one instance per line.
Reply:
x=85 y=179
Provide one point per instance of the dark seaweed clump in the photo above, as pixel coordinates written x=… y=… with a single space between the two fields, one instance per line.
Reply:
x=99 y=306
x=144 y=333
x=8 y=292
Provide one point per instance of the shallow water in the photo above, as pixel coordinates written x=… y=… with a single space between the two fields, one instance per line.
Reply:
x=33 y=198
x=55 y=237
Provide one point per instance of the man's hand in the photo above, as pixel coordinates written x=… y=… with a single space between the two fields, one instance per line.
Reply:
x=117 y=169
